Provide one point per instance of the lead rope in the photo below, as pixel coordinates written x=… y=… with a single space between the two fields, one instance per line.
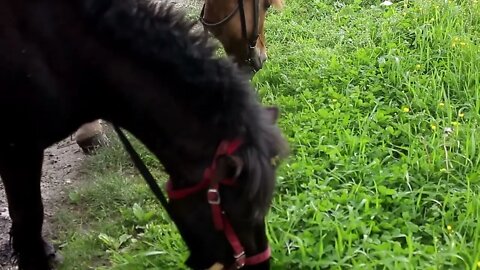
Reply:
x=137 y=161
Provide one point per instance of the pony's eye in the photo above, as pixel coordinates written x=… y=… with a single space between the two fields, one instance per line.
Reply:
x=267 y=4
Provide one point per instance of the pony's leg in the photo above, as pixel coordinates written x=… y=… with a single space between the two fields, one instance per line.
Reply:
x=90 y=136
x=20 y=170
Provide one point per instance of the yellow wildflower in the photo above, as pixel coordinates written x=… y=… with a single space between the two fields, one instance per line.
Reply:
x=455 y=124
x=463 y=43
x=334 y=100
x=461 y=115
x=433 y=127
x=417 y=66
x=449 y=228
x=441 y=104
x=405 y=109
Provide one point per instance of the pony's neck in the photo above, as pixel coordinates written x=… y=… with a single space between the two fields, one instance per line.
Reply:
x=184 y=146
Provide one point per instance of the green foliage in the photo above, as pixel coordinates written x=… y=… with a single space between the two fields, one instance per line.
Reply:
x=380 y=105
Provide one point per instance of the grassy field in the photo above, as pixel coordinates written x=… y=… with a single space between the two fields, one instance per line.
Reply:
x=380 y=105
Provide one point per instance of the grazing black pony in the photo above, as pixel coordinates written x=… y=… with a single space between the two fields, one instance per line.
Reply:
x=141 y=67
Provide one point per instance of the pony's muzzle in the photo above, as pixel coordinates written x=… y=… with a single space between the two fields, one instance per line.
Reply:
x=216 y=266
x=258 y=59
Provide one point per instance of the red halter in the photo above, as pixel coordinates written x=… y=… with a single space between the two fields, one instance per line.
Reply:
x=213 y=196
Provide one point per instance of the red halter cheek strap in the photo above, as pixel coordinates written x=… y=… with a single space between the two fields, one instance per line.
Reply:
x=220 y=220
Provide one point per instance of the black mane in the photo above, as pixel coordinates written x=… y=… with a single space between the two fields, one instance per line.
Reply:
x=215 y=90
x=162 y=38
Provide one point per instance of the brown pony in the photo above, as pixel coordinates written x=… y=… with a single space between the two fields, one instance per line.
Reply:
x=239 y=26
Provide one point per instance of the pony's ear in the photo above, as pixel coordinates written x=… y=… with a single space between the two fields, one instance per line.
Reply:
x=278 y=4
x=272 y=113
x=228 y=167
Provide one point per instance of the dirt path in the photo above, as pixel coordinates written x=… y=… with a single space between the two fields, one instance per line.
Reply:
x=61 y=167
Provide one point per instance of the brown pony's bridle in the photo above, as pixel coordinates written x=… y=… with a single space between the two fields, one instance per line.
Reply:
x=252 y=41
x=208 y=183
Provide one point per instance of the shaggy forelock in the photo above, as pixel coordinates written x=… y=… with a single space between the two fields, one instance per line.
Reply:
x=266 y=145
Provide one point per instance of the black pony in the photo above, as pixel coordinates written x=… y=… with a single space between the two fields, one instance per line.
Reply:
x=140 y=66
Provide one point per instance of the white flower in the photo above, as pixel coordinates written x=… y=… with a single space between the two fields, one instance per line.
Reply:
x=386 y=3
x=448 y=130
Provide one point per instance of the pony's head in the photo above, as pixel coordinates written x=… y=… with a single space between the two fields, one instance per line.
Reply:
x=224 y=213
x=239 y=26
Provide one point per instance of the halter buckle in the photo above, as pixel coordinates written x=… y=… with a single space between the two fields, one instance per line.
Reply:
x=240 y=259
x=213 y=196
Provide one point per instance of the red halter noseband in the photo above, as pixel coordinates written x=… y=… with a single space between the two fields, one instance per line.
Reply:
x=213 y=197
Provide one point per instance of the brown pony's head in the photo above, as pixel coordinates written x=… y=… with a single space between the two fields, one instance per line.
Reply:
x=239 y=26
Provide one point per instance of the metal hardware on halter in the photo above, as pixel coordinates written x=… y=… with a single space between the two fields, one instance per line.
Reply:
x=240 y=259
x=213 y=196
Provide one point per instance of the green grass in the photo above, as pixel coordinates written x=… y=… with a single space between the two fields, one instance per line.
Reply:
x=380 y=105
x=112 y=220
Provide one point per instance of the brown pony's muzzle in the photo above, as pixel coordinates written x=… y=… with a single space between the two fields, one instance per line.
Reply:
x=254 y=62
x=257 y=60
